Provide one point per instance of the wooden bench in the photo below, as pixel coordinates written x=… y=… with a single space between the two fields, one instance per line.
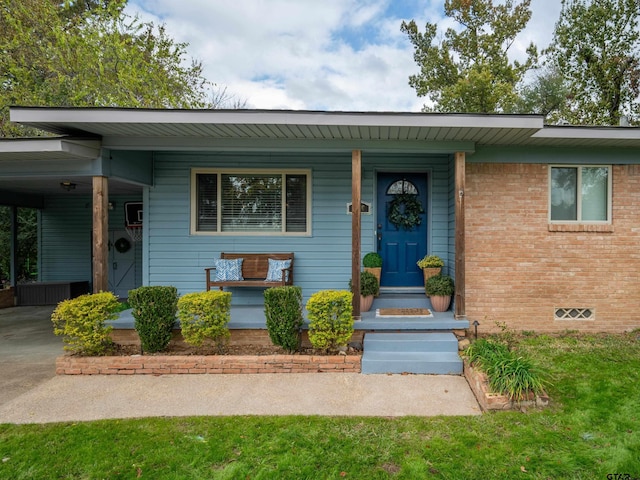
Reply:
x=254 y=271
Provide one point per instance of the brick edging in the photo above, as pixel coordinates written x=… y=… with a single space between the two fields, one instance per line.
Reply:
x=200 y=364
x=495 y=401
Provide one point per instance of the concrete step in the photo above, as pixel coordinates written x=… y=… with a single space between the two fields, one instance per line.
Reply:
x=410 y=342
x=419 y=353
x=437 y=363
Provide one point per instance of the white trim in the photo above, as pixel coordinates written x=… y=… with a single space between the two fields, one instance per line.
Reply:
x=579 y=197
x=589 y=133
x=28 y=115
x=193 y=202
x=74 y=148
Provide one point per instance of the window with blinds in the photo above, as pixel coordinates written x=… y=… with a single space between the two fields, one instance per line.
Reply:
x=580 y=194
x=243 y=202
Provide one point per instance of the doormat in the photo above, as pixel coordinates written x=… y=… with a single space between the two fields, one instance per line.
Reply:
x=403 y=312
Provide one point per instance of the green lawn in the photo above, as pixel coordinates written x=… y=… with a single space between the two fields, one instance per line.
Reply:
x=591 y=431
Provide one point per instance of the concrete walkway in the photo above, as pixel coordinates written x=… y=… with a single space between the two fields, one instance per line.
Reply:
x=28 y=350
x=31 y=393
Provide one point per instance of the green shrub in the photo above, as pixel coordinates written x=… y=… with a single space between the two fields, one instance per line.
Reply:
x=283 y=311
x=122 y=306
x=368 y=284
x=204 y=316
x=330 y=318
x=81 y=322
x=372 y=260
x=515 y=376
x=483 y=352
x=439 y=286
x=507 y=372
x=154 y=311
x=430 y=261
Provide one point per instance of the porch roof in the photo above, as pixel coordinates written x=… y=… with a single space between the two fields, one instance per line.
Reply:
x=280 y=124
x=128 y=128
x=44 y=148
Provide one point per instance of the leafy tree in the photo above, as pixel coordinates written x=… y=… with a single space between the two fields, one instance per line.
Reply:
x=596 y=45
x=27 y=243
x=85 y=53
x=73 y=9
x=90 y=53
x=469 y=69
x=545 y=95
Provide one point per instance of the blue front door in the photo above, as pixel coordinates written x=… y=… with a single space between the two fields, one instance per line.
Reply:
x=404 y=242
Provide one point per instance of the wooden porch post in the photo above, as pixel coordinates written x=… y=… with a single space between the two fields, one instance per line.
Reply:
x=460 y=235
x=356 y=178
x=100 y=234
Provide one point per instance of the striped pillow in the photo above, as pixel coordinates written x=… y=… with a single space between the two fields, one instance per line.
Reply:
x=229 y=270
x=275 y=270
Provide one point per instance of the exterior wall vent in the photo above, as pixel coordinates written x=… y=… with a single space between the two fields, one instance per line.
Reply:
x=573 y=313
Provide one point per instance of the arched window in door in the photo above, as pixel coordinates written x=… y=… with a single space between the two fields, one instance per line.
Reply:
x=402 y=187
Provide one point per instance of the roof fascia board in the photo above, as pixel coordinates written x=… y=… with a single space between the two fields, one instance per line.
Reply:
x=75 y=148
x=591 y=133
x=279 y=145
x=34 y=115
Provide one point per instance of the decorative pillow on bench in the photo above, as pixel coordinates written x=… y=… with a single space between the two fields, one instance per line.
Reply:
x=275 y=270
x=229 y=270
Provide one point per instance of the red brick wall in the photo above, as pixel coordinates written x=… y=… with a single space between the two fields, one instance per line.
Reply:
x=519 y=268
x=194 y=364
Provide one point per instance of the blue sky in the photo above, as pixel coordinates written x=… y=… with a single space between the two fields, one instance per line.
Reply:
x=340 y=55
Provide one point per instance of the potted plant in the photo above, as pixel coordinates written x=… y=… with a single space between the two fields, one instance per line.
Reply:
x=372 y=263
x=440 y=288
x=368 y=288
x=431 y=265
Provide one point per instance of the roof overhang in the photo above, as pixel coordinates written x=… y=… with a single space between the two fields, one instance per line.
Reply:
x=44 y=148
x=133 y=128
x=33 y=167
x=568 y=135
x=125 y=128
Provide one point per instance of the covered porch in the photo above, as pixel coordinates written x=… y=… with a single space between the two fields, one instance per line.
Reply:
x=423 y=344
x=344 y=155
x=251 y=317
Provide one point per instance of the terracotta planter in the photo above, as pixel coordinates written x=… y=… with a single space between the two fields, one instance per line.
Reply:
x=430 y=272
x=440 y=303
x=365 y=303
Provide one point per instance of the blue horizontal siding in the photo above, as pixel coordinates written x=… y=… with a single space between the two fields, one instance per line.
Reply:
x=322 y=260
x=66 y=236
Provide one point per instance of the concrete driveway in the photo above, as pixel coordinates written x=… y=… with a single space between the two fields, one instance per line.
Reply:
x=28 y=349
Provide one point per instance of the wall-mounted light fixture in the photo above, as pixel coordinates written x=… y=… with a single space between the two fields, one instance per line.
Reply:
x=67 y=185
x=112 y=205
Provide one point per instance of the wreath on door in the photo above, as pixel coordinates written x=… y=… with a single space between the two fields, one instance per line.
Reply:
x=122 y=245
x=405 y=211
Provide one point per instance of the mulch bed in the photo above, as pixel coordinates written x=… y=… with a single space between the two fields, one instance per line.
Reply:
x=184 y=349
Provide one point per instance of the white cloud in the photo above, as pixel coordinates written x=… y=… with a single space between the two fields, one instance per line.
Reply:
x=311 y=54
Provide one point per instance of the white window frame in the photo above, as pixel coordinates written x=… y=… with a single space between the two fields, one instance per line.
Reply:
x=247 y=171
x=579 y=195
